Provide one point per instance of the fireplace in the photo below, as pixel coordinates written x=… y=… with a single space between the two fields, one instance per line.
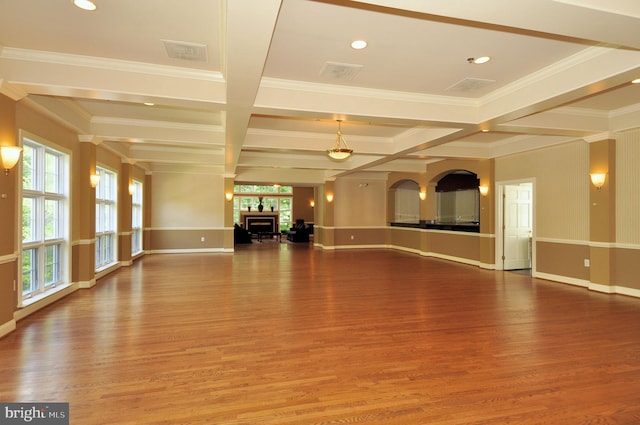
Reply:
x=261 y=223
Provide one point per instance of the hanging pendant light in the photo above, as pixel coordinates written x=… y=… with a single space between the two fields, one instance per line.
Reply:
x=340 y=150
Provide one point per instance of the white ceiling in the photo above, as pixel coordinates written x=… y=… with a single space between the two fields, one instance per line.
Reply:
x=259 y=106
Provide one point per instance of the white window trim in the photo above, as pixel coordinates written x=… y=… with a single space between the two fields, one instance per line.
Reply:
x=65 y=231
x=114 y=260
x=138 y=186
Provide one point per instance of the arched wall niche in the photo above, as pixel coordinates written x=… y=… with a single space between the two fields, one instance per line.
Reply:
x=457 y=197
x=409 y=181
x=405 y=196
x=484 y=169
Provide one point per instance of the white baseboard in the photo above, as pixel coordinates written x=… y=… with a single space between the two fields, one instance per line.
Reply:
x=562 y=279
x=372 y=246
x=86 y=284
x=596 y=287
x=32 y=306
x=623 y=290
x=405 y=249
x=7 y=328
x=451 y=258
x=190 y=251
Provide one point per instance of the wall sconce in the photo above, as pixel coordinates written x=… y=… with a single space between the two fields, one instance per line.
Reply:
x=94 y=179
x=484 y=190
x=312 y=203
x=598 y=179
x=329 y=197
x=132 y=189
x=228 y=196
x=10 y=157
x=422 y=195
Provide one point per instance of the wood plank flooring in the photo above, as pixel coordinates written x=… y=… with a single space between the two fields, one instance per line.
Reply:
x=288 y=334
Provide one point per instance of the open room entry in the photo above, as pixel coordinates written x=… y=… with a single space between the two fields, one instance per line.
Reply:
x=515 y=249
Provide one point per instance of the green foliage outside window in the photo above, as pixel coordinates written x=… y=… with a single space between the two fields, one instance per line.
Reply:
x=247 y=197
x=44 y=214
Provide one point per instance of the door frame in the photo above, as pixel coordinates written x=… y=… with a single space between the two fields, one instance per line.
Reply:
x=500 y=219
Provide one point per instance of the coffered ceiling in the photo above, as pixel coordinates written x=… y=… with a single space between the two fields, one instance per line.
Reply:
x=253 y=88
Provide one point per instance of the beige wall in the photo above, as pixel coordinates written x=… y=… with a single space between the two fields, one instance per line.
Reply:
x=302 y=196
x=8 y=229
x=625 y=267
x=561 y=175
x=628 y=186
x=188 y=199
x=360 y=202
x=563 y=259
x=8 y=206
x=188 y=212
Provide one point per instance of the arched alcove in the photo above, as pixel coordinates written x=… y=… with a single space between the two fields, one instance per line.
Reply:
x=458 y=199
x=406 y=202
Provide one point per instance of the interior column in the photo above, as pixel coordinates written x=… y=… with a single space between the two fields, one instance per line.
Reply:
x=602 y=217
x=124 y=211
x=84 y=253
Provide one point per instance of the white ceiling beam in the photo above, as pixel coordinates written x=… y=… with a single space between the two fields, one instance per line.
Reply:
x=591 y=71
x=249 y=28
x=278 y=97
x=99 y=78
x=142 y=130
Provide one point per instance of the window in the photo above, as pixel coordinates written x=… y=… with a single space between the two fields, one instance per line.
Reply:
x=45 y=218
x=106 y=218
x=136 y=218
x=279 y=198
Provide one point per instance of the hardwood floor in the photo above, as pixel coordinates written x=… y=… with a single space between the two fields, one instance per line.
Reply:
x=285 y=334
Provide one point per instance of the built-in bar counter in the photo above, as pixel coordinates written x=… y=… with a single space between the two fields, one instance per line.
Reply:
x=473 y=227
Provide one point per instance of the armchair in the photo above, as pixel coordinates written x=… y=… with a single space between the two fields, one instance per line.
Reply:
x=299 y=232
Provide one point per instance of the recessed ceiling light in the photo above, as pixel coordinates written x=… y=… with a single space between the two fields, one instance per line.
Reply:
x=85 y=4
x=636 y=81
x=149 y=103
x=480 y=60
x=359 y=44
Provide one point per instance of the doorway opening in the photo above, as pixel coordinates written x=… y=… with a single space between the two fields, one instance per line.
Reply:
x=515 y=245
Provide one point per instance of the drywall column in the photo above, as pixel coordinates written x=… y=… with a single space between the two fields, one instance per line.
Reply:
x=602 y=217
x=326 y=232
x=124 y=213
x=146 y=211
x=9 y=224
x=487 y=215
x=84 y=253
x=227 y=191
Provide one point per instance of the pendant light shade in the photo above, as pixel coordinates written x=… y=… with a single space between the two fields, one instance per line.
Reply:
x=340 y=150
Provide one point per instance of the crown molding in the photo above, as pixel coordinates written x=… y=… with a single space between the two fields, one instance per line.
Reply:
x=89 y=138
x=539 y=76
x=109 y=64
x=338 y=90
x=156 y=124
x=11 y=91
x=625 y=110
x=328 y=137
x=607 y=135
x=581 y=112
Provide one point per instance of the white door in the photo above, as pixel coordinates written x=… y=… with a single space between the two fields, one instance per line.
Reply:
x=518 y=226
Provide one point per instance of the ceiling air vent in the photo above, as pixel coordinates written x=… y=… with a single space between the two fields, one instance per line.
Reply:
x=470 y=84
x=186 y=51
x=340 y=71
